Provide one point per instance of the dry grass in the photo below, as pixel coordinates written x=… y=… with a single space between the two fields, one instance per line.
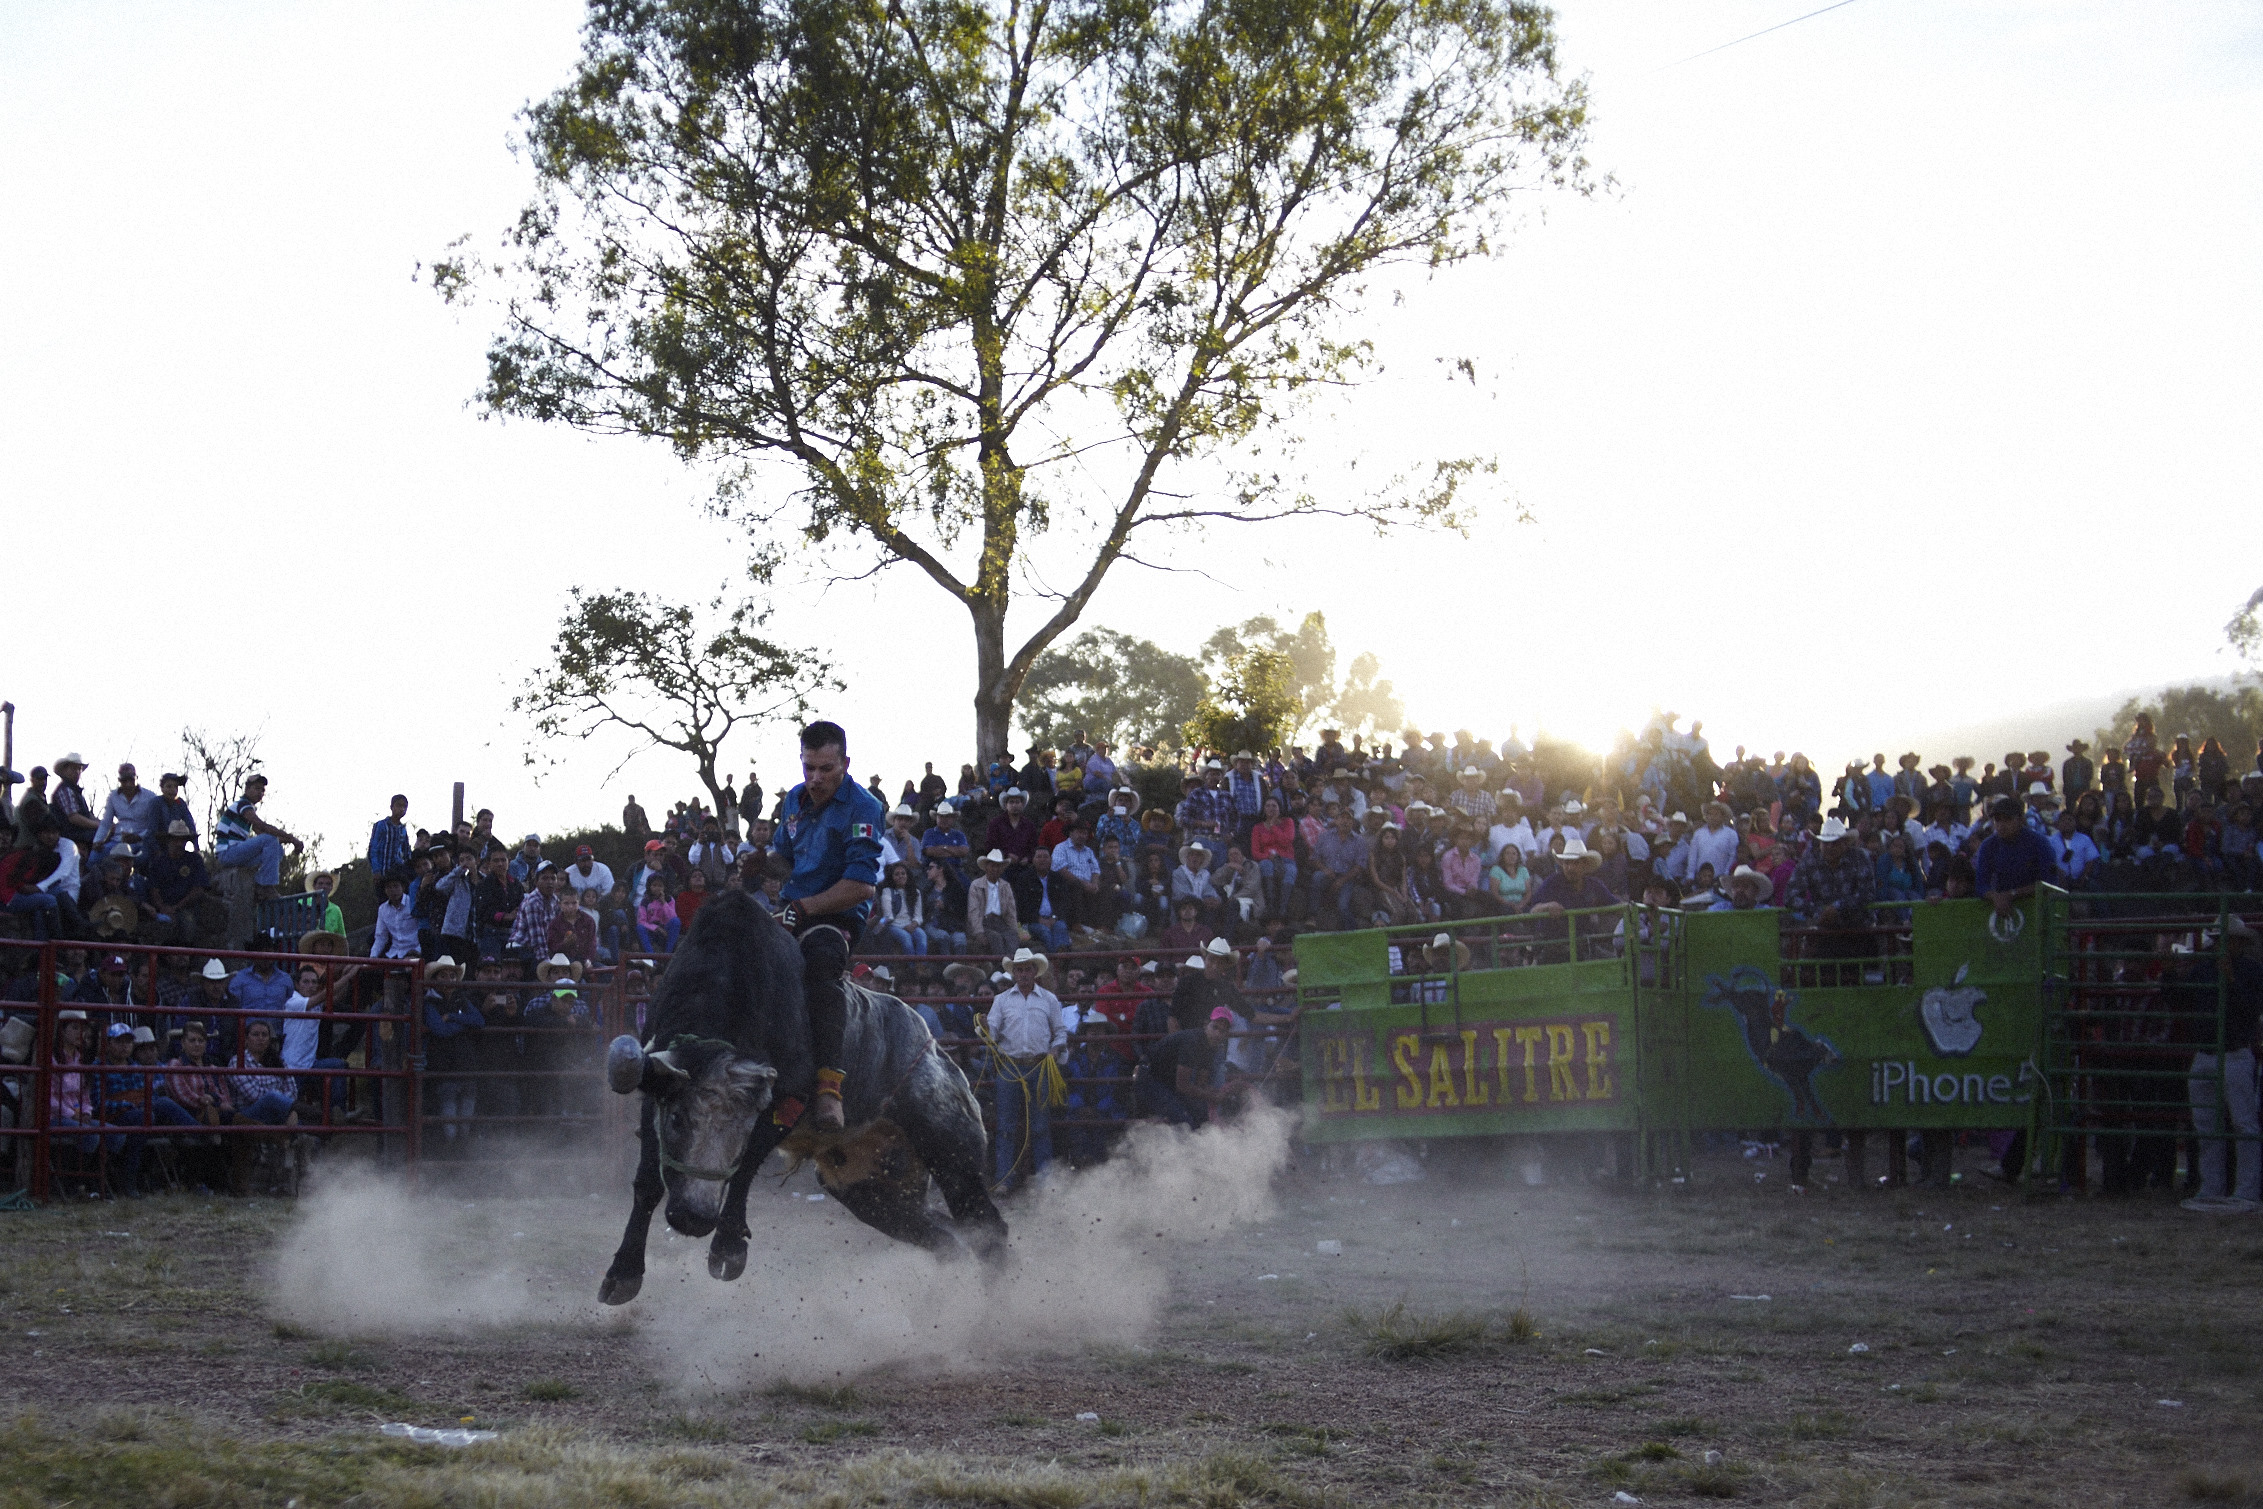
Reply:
x=1400 y=1334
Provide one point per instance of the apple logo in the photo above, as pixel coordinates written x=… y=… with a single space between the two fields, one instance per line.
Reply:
x=1950 y=1025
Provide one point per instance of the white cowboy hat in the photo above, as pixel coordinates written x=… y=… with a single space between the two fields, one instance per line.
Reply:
x=1575 y=848
x=1679 y=817
x=1194 y=961
x=1148 y=967
x=178 y=829
x=882 y=973
x=70 y=1014
x=1013 y=792
x=1832 y=831
x=1573 y=805
x=144 y=1035
x=903 y=809
x=946 y=806
x=1031 y=956
x=994 y=857
x=1747 y=872
x=1219 y=948
x=215 y=970
x=71 y=759
x=444 y=962
x=1214 y=765
x=2038 y=789
x=1243 y=754
x=1472 y=770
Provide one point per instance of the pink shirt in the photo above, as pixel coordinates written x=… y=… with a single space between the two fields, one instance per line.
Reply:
x=1460 y=871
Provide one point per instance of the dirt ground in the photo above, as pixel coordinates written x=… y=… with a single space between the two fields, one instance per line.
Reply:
x=1476 y=1341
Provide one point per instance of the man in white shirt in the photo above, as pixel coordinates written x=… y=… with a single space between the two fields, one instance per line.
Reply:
x=1714 y=844
x=586 y=874
x=900 y=845
x=302 y=1025
x=1510 y=826
x=395 y=937
x=2072 y=847
x=1077 y=864
x=990 y=910
x=1025 y=1025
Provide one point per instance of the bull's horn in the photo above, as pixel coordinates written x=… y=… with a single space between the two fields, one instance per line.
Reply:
x=624 y=1065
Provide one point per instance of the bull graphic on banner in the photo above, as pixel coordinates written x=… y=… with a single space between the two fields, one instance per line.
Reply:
x=1788 y=1054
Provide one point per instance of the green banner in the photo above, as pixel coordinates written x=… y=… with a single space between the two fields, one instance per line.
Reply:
x=1932 y=1023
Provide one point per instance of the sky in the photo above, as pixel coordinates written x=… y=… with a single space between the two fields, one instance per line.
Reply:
x=1905 y=377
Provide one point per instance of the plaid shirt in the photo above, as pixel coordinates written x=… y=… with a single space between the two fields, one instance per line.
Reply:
x=1476 y=805
x=1247 y=792
x=531 y=929
x=1818 y=883
x=243 y=1089
x=1208 y=808
x=388 y=846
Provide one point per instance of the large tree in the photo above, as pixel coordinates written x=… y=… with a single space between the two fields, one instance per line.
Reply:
x=667 y=675
x=969 y=271
x=1112 y=686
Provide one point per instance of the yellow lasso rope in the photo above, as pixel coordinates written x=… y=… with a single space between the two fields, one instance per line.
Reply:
x=1048 y=1072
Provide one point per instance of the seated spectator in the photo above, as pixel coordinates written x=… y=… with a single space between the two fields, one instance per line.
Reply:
x=657 y=924
x=573 y=932
x=1188 y=931
x=244 y=840
x=311 y=998
x=898 y=922
x=122 y=1099
x=691 y=898
x=23 y=893
x=1507 y=880
x=1461 y=871
x=944 y=907
x=991 y=907
x=1241 y=893
x=180 y=892
x=258 y=986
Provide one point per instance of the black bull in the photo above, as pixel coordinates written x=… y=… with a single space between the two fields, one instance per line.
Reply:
x=730 y=1034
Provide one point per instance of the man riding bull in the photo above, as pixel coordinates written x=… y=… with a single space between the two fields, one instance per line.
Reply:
x=829 y=828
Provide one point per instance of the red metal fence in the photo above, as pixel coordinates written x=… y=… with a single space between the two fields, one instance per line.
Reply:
x=541 y=1096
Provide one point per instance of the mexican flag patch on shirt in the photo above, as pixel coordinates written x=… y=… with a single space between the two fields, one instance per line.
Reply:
x=864 y=830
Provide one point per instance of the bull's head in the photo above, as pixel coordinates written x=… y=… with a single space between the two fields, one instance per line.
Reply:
x=706 y=1098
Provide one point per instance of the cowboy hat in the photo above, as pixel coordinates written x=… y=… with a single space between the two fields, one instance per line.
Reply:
x=1575 y=848
x=115 y=915
x=144 y=1035
x=70 y=1014
x=1218 y=948
x=214 y=970
x=1470 y=772
x=2078 y=746
x=965 y=976
x=556 y=965
x=1194 y=961
x=320 y=942
x=903 y=809
x=179 y=829
x=1573 y=806
x=444 y=965
x=1748 y=873
x=1194 y=848
x=1679 y=817
x=1031 y=956
x=1438 y=947
x=994 y=857
x=883 y=974
x=1015 y=793
x=1243 y=754
x=1125 y=791
x=1832 y=831
x=71 y=759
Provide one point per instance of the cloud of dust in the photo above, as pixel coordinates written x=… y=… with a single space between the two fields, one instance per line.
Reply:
x=367 y=1256
x=820 y=1298
x=1087 y=1265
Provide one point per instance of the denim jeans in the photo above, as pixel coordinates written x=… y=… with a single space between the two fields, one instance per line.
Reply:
x=944 y=941
x=40 y=907
x=1278 y=877
x=1051 y=933
x=171 y=1113
x=900 y=940
x=339 y=1086
x=2240 y=1110
x=124 y=1153
x=1022 y=1116
x=1159 y=1099
x=264 y=850
x=269 y=1109
x=659 y=942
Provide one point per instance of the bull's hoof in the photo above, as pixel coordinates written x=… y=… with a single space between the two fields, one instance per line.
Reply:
x=726 y=1260
x=619 y=1288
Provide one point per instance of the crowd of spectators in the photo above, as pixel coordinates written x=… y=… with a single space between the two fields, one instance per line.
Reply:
x=1196 y=871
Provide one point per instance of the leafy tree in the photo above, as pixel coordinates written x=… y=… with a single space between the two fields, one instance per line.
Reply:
x=1127 y=690
x=217 y=765
x=963 y=274
x=2233 y=714
x=1360 y=702
x=666 y=675
x=2245 y=631
x=1253 y=706
x=1366 y=702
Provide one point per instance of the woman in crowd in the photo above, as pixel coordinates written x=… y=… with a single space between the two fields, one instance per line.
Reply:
x=945 y=911
x=1385 y=888
x=899 y=920
x=1273 y=847
x=1508 y=881
x=692 y=897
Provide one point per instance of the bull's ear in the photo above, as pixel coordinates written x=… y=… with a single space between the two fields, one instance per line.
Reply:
x=751 y=1075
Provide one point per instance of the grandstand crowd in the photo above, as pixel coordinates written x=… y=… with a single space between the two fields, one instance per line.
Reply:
x=1194 y=870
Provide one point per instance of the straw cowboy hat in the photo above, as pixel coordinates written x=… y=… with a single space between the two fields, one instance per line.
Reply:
x=964 y=976
x=994 y=857
x=1130 y=794
x=178 y=829
x=115 y=916
x=1435 y=955
x=1750 y=876
x=550 y=969
x=1186 y=849
x=320 y=942
x=444 y=968
x=1832 y=831
x=1575 y=848
x=1030 y=956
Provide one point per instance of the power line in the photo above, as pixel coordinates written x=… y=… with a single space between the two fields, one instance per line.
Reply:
x=1779 y=26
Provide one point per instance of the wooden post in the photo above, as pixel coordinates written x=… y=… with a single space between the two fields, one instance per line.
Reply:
x=456 y=818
